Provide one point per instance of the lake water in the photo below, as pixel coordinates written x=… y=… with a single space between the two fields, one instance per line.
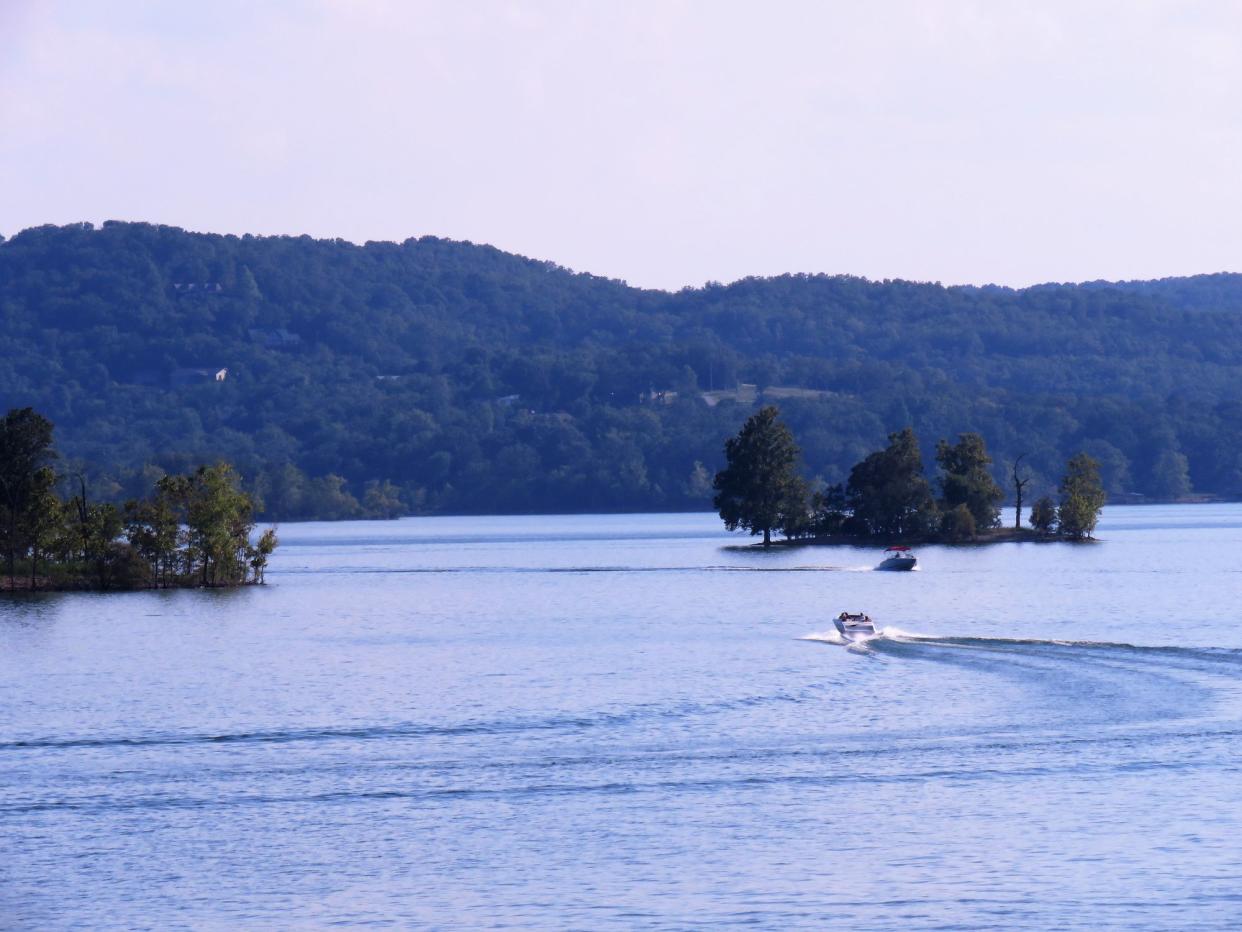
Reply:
x=625 y=721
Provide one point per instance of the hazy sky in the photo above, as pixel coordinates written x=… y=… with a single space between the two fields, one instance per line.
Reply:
x=665 y=143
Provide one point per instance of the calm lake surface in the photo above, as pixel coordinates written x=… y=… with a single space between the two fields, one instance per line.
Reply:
x=623 y=721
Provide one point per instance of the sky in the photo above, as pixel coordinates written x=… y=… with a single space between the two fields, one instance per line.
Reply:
x=663 y=142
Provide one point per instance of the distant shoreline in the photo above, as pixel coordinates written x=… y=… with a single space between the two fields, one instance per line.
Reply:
x=676 y=511
x=982 y=539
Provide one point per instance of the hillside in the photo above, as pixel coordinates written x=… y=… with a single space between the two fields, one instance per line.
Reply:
x=439 y=376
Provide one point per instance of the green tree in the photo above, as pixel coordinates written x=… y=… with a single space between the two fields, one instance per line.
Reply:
x=966 y=480
x=888 y=494
x=829 y=510
x=1114 y=465
x=759 y=489
x=25 y=451
x=1170 y=475
x=1082 y=497
x=958 y=524
x=152 y=527
x=382 y=499
x=1044 y=515
x=219 y=518
x=99 y=527
x=42 y=520
x=259 y=553
x=328 y=498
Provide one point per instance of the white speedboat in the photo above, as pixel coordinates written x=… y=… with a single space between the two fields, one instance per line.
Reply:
x=898 y=558
x=854 y=626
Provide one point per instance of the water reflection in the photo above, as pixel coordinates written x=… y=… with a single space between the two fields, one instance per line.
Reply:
x=586 y=721
x=29 y=608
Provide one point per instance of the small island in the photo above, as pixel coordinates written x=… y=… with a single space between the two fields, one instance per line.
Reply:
x=192 y=531
x=888 y=498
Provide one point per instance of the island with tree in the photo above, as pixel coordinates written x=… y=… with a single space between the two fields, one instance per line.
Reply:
x=193 y=530
x=888 y=497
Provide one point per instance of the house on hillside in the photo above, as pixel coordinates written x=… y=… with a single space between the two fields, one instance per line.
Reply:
x=656 y=397
x=183 y=377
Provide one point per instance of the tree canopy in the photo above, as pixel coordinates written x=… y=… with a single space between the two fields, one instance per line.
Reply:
x=759 y=489
x=888 y=494
x=434 y=376
x=26 y=481
x=966 y=480
x=1082 y=497
x=193 y=530
x=1044 y=515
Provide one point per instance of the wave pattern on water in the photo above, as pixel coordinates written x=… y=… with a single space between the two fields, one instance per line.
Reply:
x=576 y=570
x=589 y=738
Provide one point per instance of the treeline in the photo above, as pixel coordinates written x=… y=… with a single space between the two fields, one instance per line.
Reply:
x=192 y=530
x=888 y=496
x=433 y=376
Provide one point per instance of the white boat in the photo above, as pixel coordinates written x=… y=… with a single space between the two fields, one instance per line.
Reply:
x=898 y=558
x=854 y=626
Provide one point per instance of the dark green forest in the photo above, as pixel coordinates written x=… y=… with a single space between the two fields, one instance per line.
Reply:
x=433 y=376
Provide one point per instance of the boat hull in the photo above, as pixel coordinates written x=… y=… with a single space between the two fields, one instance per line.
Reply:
x=853 y=630
x=898 y=564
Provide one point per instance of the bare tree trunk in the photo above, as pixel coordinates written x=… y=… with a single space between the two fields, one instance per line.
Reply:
x=767 y=537
x=1019 y=484
x=83 y=514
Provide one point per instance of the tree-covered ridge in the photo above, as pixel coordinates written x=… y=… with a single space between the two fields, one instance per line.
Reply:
x=439 y=376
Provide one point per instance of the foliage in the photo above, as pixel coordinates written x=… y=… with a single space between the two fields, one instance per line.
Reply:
x=470 y=380
x=759 y=489
x=218 y=519
x=194 y=530
x=257 y=555
x=958 y=524
x=888 y=494
x=1171 y=475
x=1082 y=497
x=25 y=482
x=965 y=480
x=1044 y=515
x=829 y=511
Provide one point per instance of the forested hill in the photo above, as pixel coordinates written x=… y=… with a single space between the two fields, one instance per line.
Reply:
x=439 y=376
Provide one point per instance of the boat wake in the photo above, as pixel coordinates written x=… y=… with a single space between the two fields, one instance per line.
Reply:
x=892 y=636
x=857 y=642
x=882 y=632
x=1077 y=685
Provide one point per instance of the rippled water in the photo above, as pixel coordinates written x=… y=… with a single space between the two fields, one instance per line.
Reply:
x=626 y=721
